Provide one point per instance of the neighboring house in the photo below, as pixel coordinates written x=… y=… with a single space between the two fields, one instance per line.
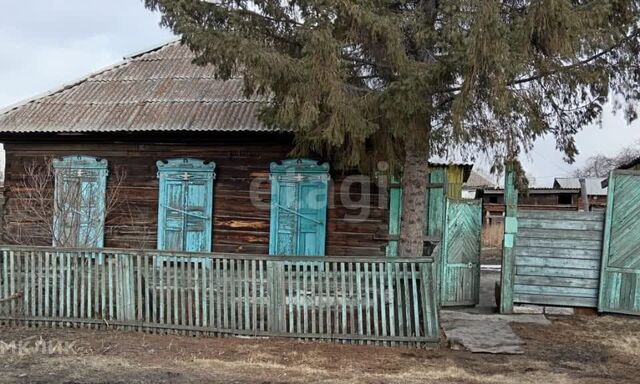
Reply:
x=558 y=199
x=474 y=184
x=596 y=193
x=198 y=171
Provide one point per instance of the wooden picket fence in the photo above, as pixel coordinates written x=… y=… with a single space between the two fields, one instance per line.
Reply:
x=388 y=301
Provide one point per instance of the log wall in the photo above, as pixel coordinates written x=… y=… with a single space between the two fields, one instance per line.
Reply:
x=241 y=158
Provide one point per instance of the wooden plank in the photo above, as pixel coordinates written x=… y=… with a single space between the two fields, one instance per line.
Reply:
x=553 y=281
x=103 y=281
x=352 y=302
x=47 y=283
x=235 y=319
x=555 y=291
x=197 y=303
x=374 y=296
x=327 y=298
x=32 y=256
x=254 y=296
x=226 y=307
x=246 y=295
x=399 y=299
x=359 y=283
x=541 y=252
x=344 y=298
x=290 y=295
x=561 y=215
x=336 y=298
x=558 y=272
x=528 y=261
x=5 y=279
x=555 y=300
x=298 y=297
x=209 y=287
x=220 y=284
x=407 y=298
x=263 y=299
x=314 y=299
x=147 y=293
x=595 y=245
x=185 y=292
x=175 y=319
x=416 y=313
x=560 y=224
x=392 y=324
x=305 y=308
x=139 y=306
x=55 y=298
x=90 y=290
x=567 y=234
x=383 y=305
x=111 y=304
x=75 y=299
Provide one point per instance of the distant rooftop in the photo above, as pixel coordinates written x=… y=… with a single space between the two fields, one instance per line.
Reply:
x=593 y=184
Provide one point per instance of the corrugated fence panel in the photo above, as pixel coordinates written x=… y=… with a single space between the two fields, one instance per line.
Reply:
x=558 y=258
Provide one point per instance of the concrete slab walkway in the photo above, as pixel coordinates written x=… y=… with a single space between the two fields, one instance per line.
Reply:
x=482 y=333
x=481 y=329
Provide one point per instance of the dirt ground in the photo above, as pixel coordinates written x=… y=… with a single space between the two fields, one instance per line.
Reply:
x=573 y=350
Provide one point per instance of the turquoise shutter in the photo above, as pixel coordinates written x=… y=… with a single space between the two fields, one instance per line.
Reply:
x=284 y=202
x=435 y=199
x=298 y=208
x=79 y=201
x=185 y=209
x=312 y=218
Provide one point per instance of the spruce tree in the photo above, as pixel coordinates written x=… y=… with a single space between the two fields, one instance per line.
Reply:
x=400 y=80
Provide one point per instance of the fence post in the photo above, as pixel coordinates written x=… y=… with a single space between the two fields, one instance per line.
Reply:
x=508 y=248
x=277 y=298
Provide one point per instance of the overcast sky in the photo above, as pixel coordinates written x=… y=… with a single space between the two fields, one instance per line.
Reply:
x=46 y=43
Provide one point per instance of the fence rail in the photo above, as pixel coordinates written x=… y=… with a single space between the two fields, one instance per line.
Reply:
x=364 y=299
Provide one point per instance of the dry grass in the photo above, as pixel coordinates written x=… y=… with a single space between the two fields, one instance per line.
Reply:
x=492 y=235
x=589 y=350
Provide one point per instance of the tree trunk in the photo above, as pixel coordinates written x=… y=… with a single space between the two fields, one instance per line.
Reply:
x=414 y=186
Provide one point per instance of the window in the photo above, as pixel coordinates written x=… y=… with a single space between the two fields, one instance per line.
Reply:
x=185 y=204
x=79 y=201
x=493 y=199
x=298 y=208
x=565 y=199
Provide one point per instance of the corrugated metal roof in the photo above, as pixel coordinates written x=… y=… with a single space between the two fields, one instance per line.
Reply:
x=157 y=90
x=477 y=180
x=594 y=187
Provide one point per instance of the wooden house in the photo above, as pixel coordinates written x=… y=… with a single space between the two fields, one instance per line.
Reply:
x=596 y=193
x=554 y=199
x=193 y=167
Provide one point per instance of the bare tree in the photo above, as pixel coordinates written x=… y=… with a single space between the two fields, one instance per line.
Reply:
x=66 y=206
x=600 y=165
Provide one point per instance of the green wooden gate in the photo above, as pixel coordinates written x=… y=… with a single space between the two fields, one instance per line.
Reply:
x=460 y=284
x=620 y=274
